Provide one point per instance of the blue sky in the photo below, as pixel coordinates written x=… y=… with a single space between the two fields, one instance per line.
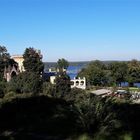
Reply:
x=72 y=29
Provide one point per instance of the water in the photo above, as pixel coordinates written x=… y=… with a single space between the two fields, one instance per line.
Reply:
x=73 y=71
x=125 y=84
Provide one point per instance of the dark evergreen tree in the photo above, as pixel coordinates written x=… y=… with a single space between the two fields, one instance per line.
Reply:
x=5 y=61
x=4 y=56
x=26 y=82
x=62 y=64
x=133 y=72
x=63 y=84
x=33 y=61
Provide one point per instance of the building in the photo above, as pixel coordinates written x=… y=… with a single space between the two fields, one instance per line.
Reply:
x=78 y=83
x=10 y=72
x=19 y=59
x=102 y=92
x=75 y=83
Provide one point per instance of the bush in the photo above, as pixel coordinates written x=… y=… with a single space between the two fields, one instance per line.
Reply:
x=26 y=83
x=63 y=85
x=48 y=89
x=2 y=88
x=1 y=93
x=76 y=95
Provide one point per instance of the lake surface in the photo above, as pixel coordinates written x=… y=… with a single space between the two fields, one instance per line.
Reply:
x=73 y=71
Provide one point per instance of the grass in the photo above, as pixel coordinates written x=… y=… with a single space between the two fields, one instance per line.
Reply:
x=134 y=89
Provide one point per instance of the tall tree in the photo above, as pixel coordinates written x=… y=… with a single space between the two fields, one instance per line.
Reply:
x=62 y=64
x=118 y=71
x=63 y=84
x=3 y=53
x=33 y=61
x=5 y=60
x=133 y=72
x=95 y=73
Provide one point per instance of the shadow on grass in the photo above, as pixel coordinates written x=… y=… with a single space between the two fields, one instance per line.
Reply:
x=44 y=118
x=36 y=118
x=129 y=114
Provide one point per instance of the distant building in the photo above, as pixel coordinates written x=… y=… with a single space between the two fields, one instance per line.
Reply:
x=19 y=59
x=11 y=71
x=50 y=76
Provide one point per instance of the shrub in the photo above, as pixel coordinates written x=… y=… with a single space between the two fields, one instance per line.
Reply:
x=48 y=89
x=26 y=83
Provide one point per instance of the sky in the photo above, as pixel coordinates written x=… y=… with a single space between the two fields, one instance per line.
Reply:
x=77 y=30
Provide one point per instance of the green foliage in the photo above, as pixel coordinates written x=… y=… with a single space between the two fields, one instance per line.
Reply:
x=63 y=84
x=48 y=89
x=36 y=117
x=84 y=137
x=95 y=73
x=62 y=64
x=26 y=83
x=133 y=72
x=96 y=114
x=99 y=74
x=3 y=53
x=87 y=117
x=32 y=61
x=5 y=60
x=75 y=95
x=118 y=71
x=2 y=88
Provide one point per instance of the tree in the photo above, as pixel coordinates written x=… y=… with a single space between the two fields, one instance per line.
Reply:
x=63 y=84
x=62 y=64
x=133 y=72
x=118 y=72
x=33 y=61
x=3 y=58
x=3 y=85
x=48 y=89
x=95 y=73
x=3 y=53
x=5 y=61
x=26 y=82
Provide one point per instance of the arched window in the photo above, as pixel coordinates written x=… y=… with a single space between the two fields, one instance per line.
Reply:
x=82 y=83
x=13 y=74
x=77 y=83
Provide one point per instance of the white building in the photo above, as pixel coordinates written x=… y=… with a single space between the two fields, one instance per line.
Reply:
x=79 y=83
x=75 y=83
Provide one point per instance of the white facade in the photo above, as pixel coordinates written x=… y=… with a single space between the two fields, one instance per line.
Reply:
x=79 y=83
x=75 y=83
x=52 y=79
x=19 y=59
